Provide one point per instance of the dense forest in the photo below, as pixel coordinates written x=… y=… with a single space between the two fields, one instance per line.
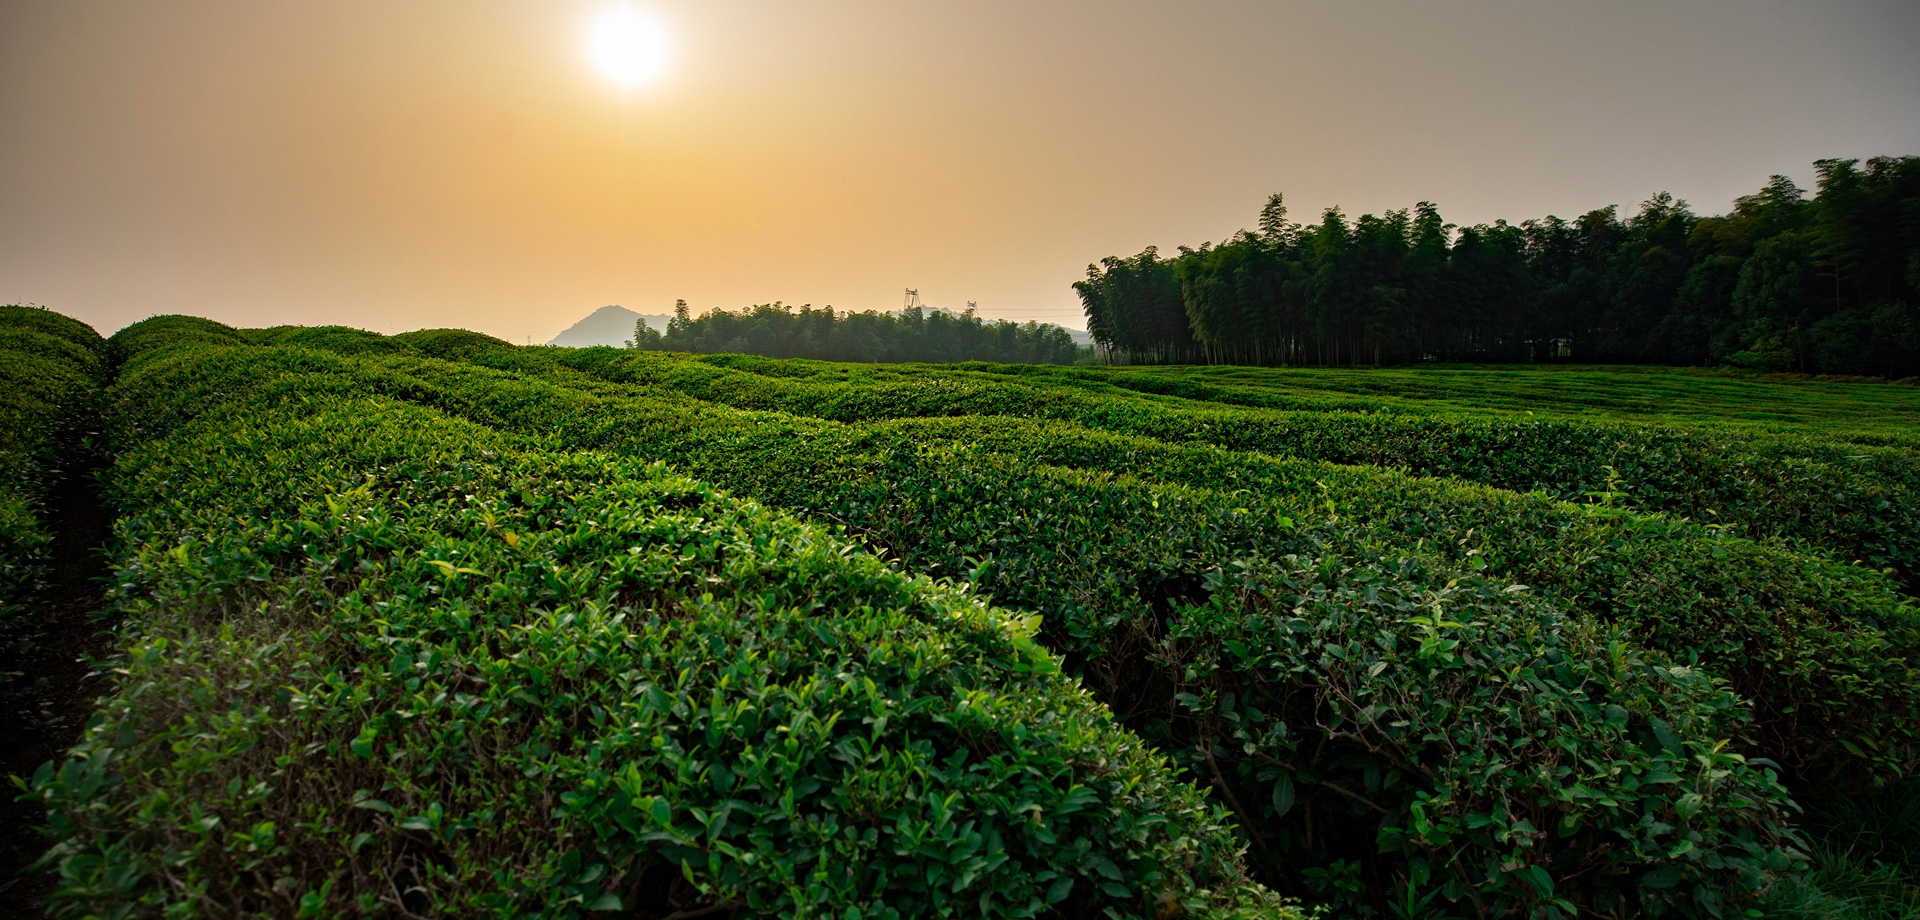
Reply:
x=1825 y=285
x=915 y=334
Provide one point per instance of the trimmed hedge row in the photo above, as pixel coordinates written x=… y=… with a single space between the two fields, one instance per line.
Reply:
x=1131 y=578
x=1855 y=503
x=342 y=339
x=50 y=372
x=1307 y=672
x=1829 y=654
x=169 y=330
x=1860 y=410
x=383 y=662
x=450 y=344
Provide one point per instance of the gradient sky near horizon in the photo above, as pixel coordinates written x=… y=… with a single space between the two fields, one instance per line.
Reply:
x=434 y=163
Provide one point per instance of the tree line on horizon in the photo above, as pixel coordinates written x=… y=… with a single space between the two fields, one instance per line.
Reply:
x=1828 y=284
x=777 y=330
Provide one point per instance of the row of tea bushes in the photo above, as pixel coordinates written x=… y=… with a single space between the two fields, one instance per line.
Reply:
x=1556 y=766
x=382 y=662
x=170 y=330
x=1858 y=410
x=449 y=344
x=1416 y=713
x=1827 y=653
x=1855 y=503
x=1112 y=562
x=343 y=339
x=50 y=372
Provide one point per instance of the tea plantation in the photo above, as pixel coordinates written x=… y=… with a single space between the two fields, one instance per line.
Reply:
x=434 y=625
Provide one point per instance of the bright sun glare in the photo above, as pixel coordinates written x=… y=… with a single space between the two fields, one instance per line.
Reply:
x=627 y=45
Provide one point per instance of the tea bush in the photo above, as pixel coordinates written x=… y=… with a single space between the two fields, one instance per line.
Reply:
x=1121 y=570
x=1827 y=652
x=50 y=369
x=171 y=329
x=1506 y=758
x=1853 y=502
x=1197 y=610
x=384 y=662
x=1861 y=410
x=450 y=344
x=342 y=339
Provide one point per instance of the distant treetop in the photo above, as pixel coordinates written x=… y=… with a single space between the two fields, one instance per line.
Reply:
x=776 y=330
x=1825 y=285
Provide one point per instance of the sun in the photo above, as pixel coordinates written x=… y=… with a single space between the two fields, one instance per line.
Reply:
x=628 y=46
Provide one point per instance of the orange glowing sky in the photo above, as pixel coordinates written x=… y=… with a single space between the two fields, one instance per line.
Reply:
x=462 y=163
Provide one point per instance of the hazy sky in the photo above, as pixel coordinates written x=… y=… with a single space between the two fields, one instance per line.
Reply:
x=398 y=165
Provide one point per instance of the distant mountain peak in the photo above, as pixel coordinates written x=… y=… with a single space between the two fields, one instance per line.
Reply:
x=609 y=325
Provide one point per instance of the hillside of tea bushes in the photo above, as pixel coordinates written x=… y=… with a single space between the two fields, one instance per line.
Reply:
x=434 y=625
x=50 y=372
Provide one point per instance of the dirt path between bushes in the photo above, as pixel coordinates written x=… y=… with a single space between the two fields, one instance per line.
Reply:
x=43 y=710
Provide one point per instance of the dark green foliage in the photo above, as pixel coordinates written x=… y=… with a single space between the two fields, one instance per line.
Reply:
x=1186 y=610
x=450 y=344
x=1415 y=696
x=1881 y=827
x=1122 y=573
x=1230 y=292
x=173 y=329
x=1782 y=283
x=1134 y=309
x=382 y=662
x=50 y=372
x=1853 y=502
x=1504 y=756
x=1865 y=859
x=915 y=334
x=1754 y=612
x=1850 y=409
x=343 y=339
x=1828 y=651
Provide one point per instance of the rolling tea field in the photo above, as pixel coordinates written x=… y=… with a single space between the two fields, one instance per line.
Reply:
x=431 y=625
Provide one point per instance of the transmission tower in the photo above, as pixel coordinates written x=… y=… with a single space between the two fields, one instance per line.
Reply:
x=913 y=299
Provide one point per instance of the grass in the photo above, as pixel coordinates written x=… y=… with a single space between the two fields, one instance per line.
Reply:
x=1865 y=859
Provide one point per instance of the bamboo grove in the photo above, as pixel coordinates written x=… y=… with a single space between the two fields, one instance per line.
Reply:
x=1828 y=284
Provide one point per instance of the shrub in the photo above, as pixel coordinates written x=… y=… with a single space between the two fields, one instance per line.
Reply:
x=382 y=661
x=1853 y=502
x=164 y=331
x=449 y=344
x=50 y=369
x=1121 y=571
x=342 y=339
x=1458 y=743
x=1827 y=652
